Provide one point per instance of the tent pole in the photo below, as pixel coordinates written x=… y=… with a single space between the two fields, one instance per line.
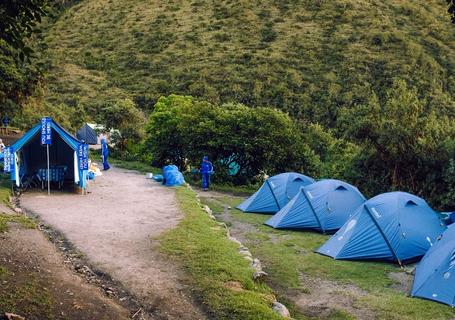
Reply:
x=48 y=173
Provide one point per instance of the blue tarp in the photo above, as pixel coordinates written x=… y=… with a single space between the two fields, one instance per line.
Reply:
x=435 y=274
x=325 y=206
x=32 y=156
x=275 y=193
x=394 y=226
x=172 y=176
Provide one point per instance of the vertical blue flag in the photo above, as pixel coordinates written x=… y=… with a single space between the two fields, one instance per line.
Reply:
x=83 y=156
x=8 y=159
x=46 y=131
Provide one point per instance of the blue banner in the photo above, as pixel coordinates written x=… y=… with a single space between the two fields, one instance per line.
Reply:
x=46 y=131
x=82 y=153
x=8 y=159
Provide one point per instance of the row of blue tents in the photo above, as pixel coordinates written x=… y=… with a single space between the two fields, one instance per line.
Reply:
x=394 y=226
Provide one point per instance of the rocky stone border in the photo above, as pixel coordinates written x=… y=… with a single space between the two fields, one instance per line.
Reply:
x=257 y=272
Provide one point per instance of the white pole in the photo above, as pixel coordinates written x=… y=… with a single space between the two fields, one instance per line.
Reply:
x=48 y=173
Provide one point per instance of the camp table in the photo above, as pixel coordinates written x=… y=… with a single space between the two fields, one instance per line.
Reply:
x=56 y=174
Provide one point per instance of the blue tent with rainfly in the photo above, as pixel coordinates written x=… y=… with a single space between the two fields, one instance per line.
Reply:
x=275 y=193
x=395 y=226
x=324 y=206
x=87 y=134
x=30 y=157
x=435 y=274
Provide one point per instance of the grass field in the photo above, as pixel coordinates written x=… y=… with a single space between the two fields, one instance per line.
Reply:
x=287 y=255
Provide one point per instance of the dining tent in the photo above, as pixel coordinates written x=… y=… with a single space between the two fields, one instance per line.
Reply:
x=395 y=226
x=29 y=156
x=275 y=193
x=324 y=206
x=435 y=274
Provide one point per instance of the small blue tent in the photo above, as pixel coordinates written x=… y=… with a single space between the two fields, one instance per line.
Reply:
x=87 y=134
x=30 y=155
x=435 y=274
x=394 y=226
x=172 y=176
x=275 y=193
x=324 y=205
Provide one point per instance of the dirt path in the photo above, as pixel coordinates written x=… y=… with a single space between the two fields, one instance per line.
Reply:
x=116 y=226
x=38 y=287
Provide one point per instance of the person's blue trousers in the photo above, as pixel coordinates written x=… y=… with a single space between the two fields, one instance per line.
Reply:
x=205 y=180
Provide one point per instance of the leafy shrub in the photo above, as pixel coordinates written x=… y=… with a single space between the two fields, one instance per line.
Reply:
x=258 y=140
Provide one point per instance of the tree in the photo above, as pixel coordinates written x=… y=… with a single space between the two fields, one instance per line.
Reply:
x=126 y=120
x=257 y=140
x=404 y=145
x=18 y=19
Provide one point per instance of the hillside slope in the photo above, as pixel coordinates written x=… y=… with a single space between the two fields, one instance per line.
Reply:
x=304 y=56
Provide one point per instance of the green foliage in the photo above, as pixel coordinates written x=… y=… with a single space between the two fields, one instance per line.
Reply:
x=259 y=140
x=337 y=155
x=404 y=145
x=308 y=58
x=122 y=115
x=18 y=21
x=213 y=263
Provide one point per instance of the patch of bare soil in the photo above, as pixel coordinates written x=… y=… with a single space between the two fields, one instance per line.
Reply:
x=116 y=227
x=402 y=281
x=322 y=297
x=35 y=283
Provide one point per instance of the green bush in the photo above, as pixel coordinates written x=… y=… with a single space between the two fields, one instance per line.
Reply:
x=258 y=140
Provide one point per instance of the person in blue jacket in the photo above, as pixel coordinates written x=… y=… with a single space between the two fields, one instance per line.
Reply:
x=105 y=154
x=206 y=172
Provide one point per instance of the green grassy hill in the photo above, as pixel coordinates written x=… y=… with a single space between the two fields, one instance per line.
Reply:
x=307 y=57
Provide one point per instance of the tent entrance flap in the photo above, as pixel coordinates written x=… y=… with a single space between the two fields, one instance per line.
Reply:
x=382 y=234
x=273 y=194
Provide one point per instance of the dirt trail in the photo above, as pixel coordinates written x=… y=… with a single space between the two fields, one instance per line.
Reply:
x=35 y=275
x=116 y=226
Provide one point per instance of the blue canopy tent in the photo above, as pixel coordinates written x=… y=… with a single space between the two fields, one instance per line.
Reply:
x=395 y=226
x=275 y=193
x=324 y=206
x=30 y=156
x=87 y=134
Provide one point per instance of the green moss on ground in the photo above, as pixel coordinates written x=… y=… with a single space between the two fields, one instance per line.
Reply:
x=22 y=220
x=25 y=295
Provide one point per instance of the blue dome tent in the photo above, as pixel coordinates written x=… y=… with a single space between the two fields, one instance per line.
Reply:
x=275 y=193
x=395 y=226
x=30 y=156
x=324 y=205
x=435 y=274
